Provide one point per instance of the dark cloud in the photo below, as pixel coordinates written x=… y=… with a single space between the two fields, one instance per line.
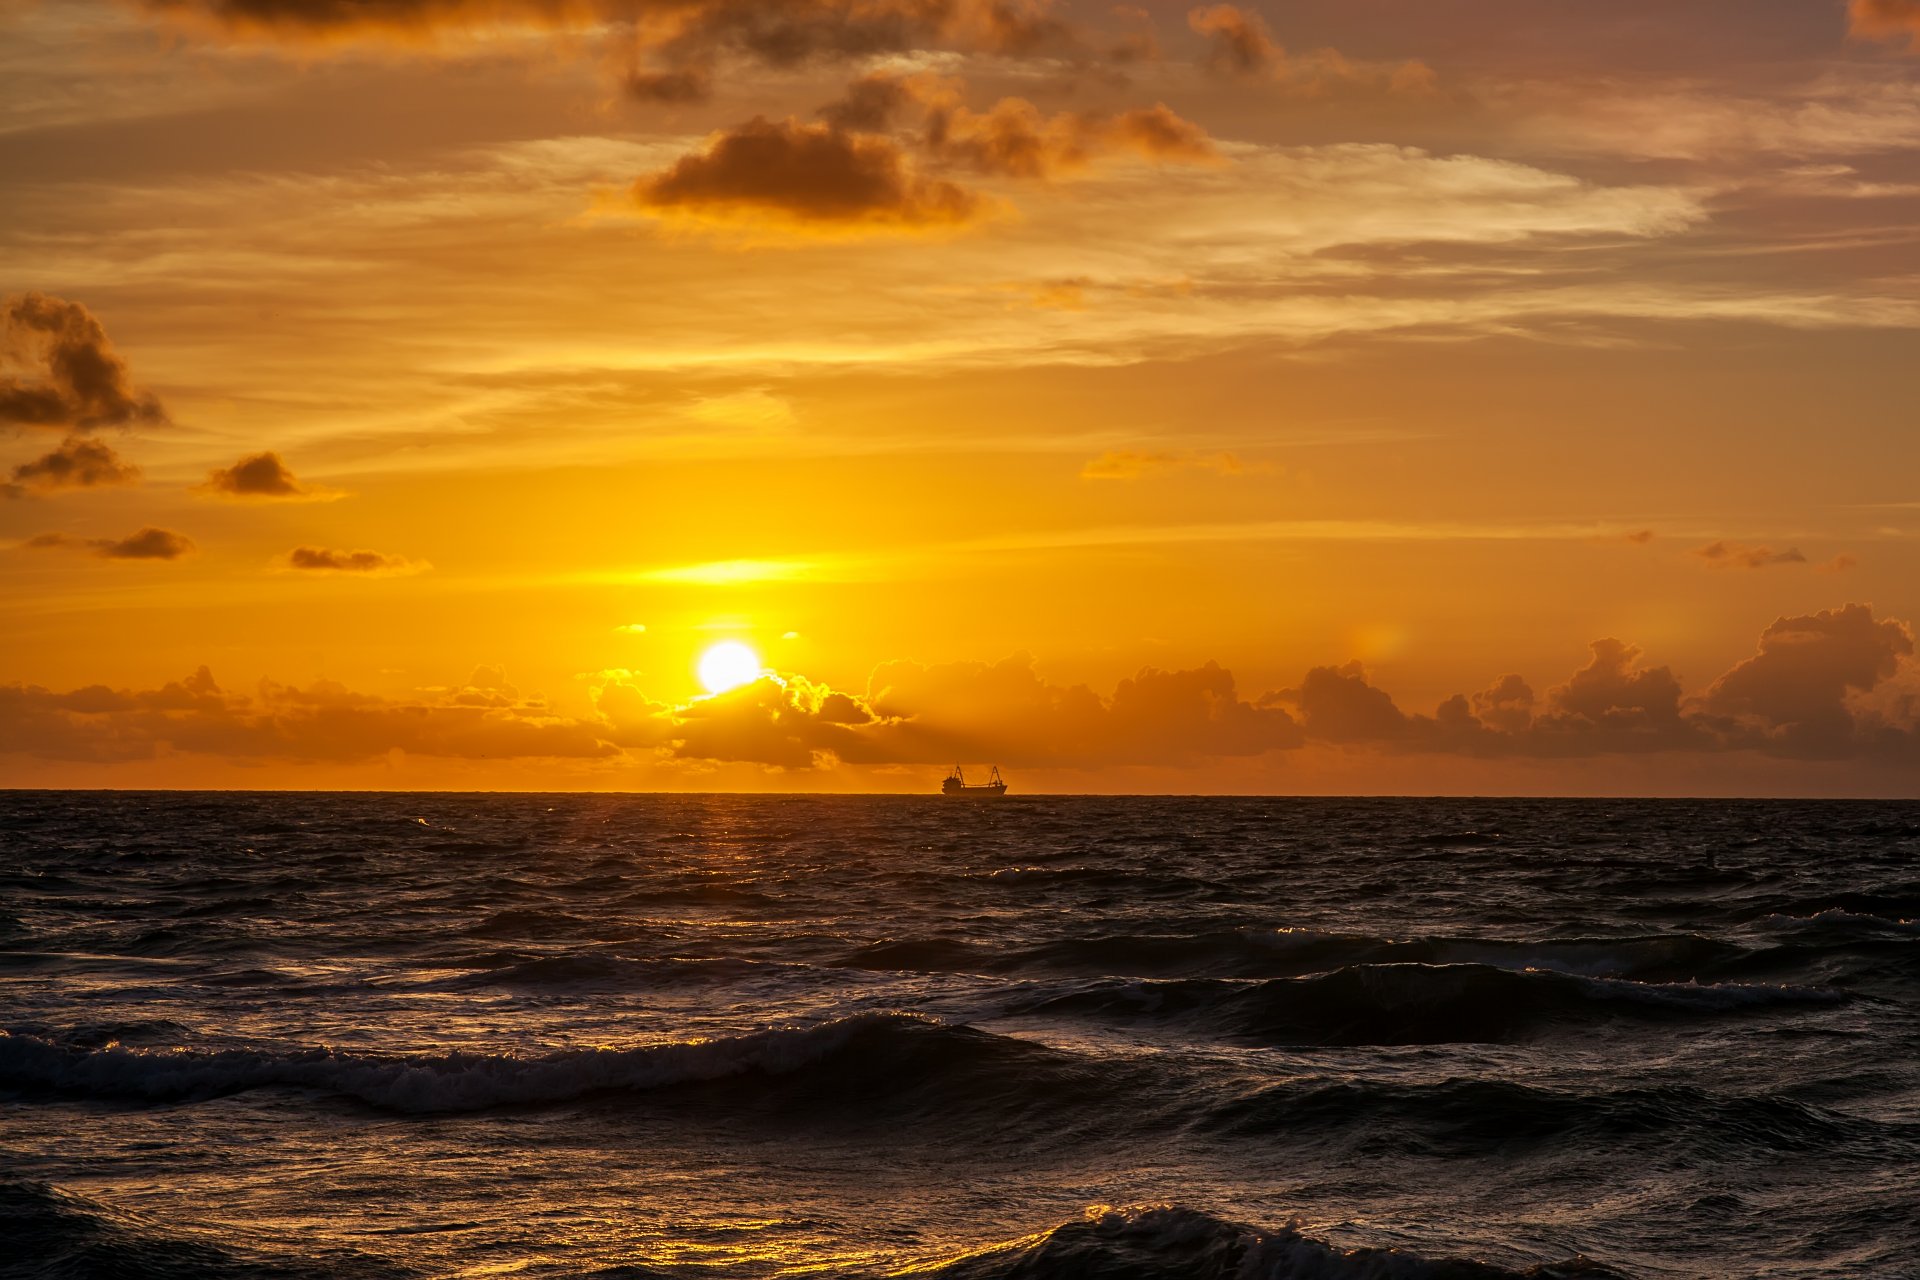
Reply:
x=808 y=177
x=79 y=463
x=327 y=560
x=1887 y=20
x=260 y=475
x=147 y=544
x=73 y=377
x=1238 y=41
x=1734 y=555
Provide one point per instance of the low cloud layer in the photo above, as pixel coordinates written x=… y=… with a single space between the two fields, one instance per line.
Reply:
x=323 y=722
x=1834 y=685
x=57 y=369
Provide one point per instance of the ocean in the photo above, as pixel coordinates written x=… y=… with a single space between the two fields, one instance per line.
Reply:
x=302 y=1035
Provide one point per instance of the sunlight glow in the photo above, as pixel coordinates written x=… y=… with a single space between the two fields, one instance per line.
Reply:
x=728 y=665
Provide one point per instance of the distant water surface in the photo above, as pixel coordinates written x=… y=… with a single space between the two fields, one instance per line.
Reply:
x=648 y=1037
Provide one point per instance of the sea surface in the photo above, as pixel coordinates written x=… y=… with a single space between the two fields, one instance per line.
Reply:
x=648 y=1037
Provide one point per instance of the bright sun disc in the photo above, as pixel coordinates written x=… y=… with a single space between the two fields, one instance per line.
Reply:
x=728 y=666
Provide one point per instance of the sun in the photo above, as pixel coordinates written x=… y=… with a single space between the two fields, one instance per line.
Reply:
x=728 y=665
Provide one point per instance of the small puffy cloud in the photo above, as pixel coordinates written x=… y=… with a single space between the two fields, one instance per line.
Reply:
x=262 y=476
x=1734 y=555
x=1839 y=564
x=1238 y=41
x=79 y=463
x=376 y=563
x=812 y=178
x=148 y=544
x=631 y=629
x=1887 y=20
x=57 y=369
x=1131 y=464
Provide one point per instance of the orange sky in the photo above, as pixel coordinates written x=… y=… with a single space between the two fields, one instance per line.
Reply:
x=1359 y=397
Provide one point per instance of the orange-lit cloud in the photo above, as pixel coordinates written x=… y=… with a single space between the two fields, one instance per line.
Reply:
x=147 y=544
x=80 y=462
x=1238 y=40
x=375 y=563
x=73 y=377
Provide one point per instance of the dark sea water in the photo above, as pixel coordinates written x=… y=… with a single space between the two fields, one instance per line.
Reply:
x=401 y=1035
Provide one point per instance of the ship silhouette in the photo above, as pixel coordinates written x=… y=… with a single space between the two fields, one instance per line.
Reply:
x=957 y=785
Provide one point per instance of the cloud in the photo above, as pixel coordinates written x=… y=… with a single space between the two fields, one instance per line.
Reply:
x=1791 y=696
x=75 y=378
x=262 y=475
x=1238 y=41
x=147 y=544
x=322 y=722
x=1014 y=139
x=1825 y=686
x=671 y=47
x=805 y=177
x=376 y=563
x=79 y=463
x=1131 y=464
x=1886 y=20
x=1734 y=555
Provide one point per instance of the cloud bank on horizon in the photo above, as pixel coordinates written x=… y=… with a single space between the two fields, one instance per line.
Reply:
x=1840 y=684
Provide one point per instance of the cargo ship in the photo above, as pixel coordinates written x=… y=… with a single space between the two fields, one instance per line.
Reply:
x=957 y=785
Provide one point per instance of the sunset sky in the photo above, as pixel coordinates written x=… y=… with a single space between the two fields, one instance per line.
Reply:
x=1503 y=396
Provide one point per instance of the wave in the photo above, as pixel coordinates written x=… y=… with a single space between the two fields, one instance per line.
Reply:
x=1465 y=1117
x=596 y=972
x=1275 y=953
x=56 y=1235
x=1414 y=1003
x=1172 y=1242
x=914 y=1062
